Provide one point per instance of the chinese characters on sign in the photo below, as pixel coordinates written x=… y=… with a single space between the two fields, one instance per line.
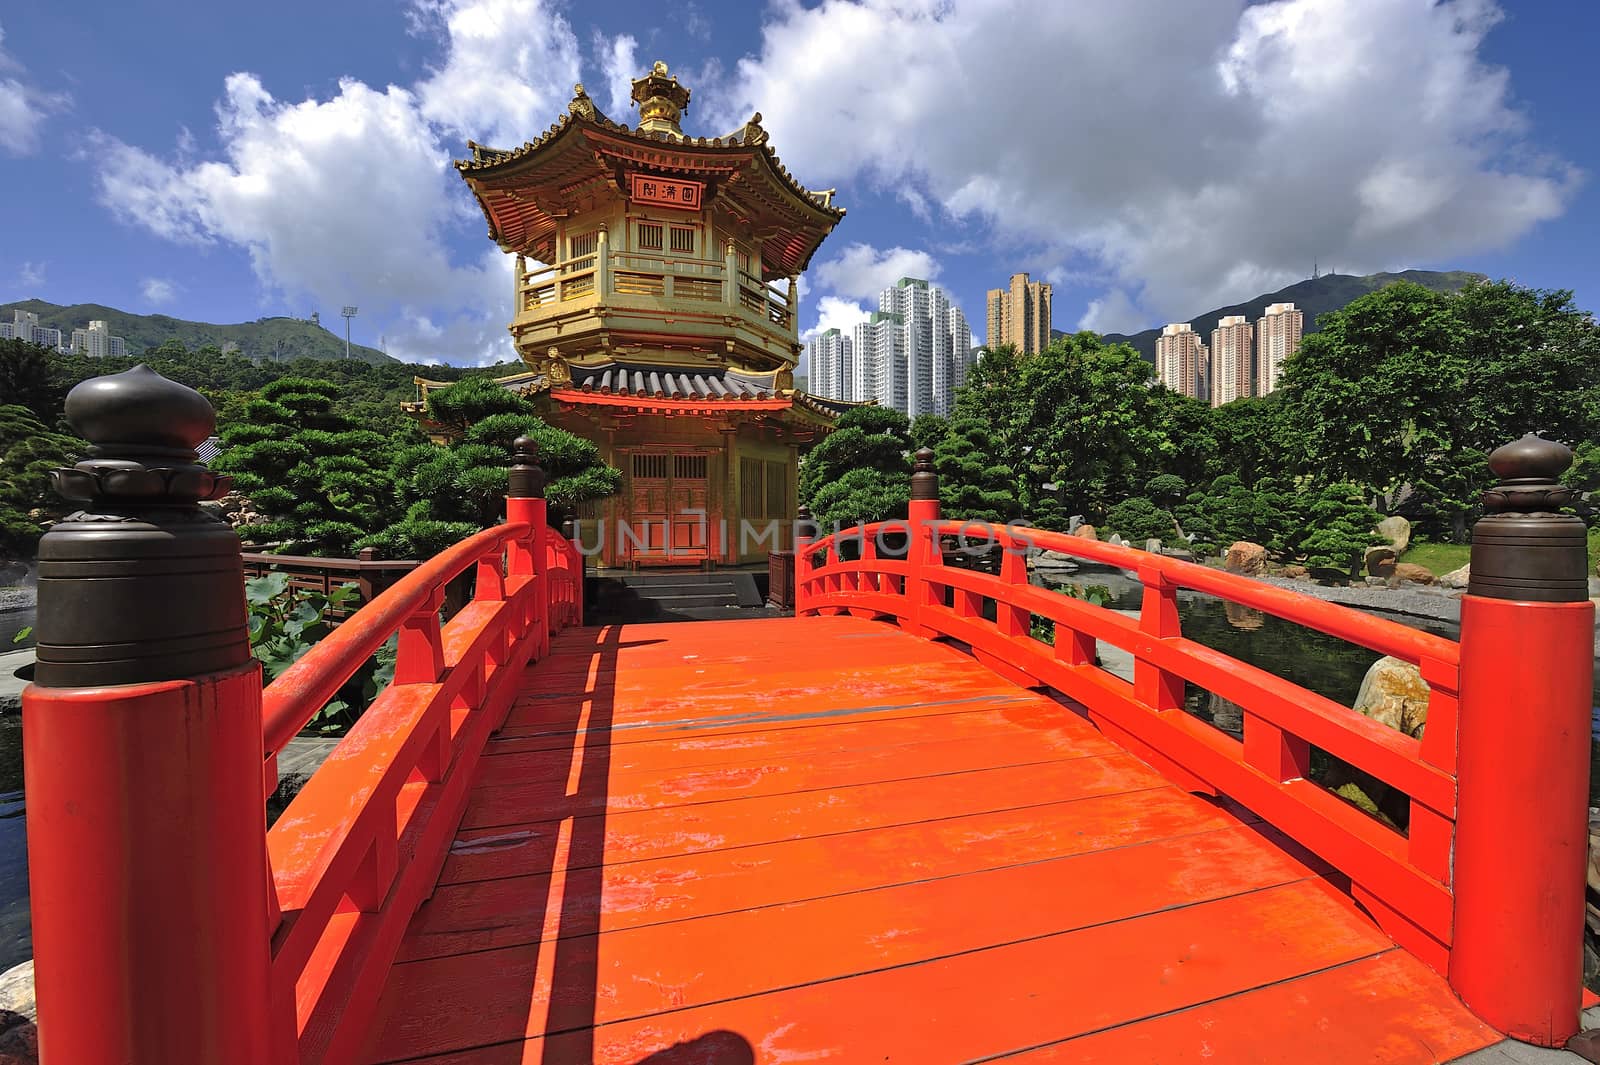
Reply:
x=665 y=192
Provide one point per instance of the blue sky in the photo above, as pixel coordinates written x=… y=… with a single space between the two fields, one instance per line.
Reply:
x=1152 y=158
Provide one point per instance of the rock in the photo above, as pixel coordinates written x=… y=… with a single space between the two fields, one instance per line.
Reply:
x=1393 y=693
x=1410 y=571
x=1332 y=575
x=1397 y=531
x=1153 y=545
x=1296 y=573
x=1117 y=540
x=1379 y=561
x=1178 y=552
x=1246 y=557
x=1053 y=560
x=16 y=990
x=1457 y=578
x=1086 y=531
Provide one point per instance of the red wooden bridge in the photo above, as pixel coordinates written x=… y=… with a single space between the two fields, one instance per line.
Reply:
x=897 y=827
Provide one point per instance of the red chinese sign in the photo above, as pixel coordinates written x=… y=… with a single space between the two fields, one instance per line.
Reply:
x=665 y=192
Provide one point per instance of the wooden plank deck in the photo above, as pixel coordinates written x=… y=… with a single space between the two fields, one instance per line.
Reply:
x=822 y=839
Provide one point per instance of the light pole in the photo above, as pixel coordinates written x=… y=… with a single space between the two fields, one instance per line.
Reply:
x=347 y=313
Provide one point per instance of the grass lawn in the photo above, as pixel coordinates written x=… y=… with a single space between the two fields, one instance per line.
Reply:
x=1438 y=558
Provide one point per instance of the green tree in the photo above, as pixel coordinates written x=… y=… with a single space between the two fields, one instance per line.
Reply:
x=927 y=430
x=1138 y=520
x=27 y=380
x=448 y=493
x=321 y=481
x=28 y=452
x=1331 y=527
x=860 y=471
x=973 y=484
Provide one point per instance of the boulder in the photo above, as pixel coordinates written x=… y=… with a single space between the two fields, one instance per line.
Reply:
x=1153 y=545
x=1178 y=552
x=1410 y=571
x=1086 y=531
x=1053 y=560
x=1296 y=573
x=1245 y=557
x=1457 y=578
x=1393 y=693
x=1397 y=531
x=16 y=990
x=1379 y=561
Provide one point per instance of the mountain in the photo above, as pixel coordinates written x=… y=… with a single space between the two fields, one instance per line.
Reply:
x=265 y=339
x=1314 y=297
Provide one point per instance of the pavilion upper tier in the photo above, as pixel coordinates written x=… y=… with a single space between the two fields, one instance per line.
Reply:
x=585 y=161
x=650 y=246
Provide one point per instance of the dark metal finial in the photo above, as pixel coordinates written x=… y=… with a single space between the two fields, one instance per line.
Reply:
x=1529 y=470
x=143 y=430
x=1523 y=549
x=527 y=478
x=143 y=584
x=804 y=524
x=924 y=481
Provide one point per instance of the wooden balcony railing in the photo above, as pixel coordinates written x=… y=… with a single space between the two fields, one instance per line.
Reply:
x=644 y=275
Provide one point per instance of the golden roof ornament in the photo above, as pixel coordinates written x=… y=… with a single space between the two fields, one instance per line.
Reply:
x=661 y=99
x=581 y=105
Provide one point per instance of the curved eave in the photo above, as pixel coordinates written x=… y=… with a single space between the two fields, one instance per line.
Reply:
x=490 y=173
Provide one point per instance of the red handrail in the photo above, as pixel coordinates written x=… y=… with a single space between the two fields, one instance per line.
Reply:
x=1403 y=878
x=305 y=687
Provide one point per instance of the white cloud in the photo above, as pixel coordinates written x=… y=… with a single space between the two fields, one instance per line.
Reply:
x=835 y=313
x=31 y=275
x=509 y=67
x=1191 y=159
x=620 y=67
x=351 y=199
x=861 y=271
x=158 y=290
x=23 y=107
x=1114 y=312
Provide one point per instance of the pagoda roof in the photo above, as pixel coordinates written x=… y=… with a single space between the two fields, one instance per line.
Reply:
x=664 y=390
x=525 y=191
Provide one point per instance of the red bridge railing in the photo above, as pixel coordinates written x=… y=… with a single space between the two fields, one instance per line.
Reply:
x=171 y=926
x=1488 y=877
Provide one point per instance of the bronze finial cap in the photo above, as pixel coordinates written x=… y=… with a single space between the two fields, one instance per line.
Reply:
x=143 y=430
x=1523 y=549
x=142 y=549
x=139 y=408
x=924 y=481
x=527 y=478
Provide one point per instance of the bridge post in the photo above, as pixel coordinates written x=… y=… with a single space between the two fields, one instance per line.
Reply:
x=143 y=753
x=923 y=548
x=525 y=502
x=804 y=530
x=1527 y=663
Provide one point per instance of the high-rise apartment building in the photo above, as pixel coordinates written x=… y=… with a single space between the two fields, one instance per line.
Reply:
x=1277 y=337
x=913 y=352
x=97 y=341
x=831 y=356
x=1182 y=360
x=1231 y=349
x=1020 y=314
x=25 y=326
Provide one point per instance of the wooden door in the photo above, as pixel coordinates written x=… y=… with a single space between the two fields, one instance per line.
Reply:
x=670 y=504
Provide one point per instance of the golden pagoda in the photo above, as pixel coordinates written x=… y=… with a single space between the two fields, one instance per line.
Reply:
x=656 y=309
